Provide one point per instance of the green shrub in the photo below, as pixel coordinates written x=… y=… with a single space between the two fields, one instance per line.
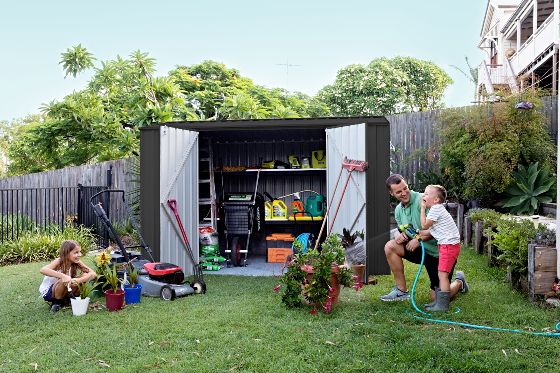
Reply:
x=488 y=217
x=531 y=187
x=43 y=244
x=511 y=238
x=481 y=146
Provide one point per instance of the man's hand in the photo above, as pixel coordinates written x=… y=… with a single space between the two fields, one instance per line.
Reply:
x=401 y=238
x=425 y=235
x=412 y=245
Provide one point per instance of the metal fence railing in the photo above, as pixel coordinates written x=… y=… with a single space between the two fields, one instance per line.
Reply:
x=28 y=208
x=22 y=210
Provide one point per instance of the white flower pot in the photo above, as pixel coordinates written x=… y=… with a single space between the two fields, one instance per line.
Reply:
x=79 y=306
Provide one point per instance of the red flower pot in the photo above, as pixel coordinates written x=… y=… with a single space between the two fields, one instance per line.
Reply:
x=334 y=283
x=114 y=300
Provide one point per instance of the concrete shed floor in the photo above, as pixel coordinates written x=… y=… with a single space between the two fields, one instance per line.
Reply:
x=257 y=266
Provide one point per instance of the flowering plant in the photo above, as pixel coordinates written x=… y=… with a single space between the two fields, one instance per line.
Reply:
x=314 y=276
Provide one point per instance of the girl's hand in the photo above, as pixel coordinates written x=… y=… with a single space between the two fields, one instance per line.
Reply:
x=66 y=279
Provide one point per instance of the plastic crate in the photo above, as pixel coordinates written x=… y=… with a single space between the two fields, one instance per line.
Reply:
x=279 y=241
x=278 y=255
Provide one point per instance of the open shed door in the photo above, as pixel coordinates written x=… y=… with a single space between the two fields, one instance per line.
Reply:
x=179 y=181
x=347 y=141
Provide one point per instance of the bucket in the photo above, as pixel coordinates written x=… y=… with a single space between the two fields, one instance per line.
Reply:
x=279 y=209
x=114 y=301
x=132 y=295
x=315 y=205
x=79 y=306
x=267 y=210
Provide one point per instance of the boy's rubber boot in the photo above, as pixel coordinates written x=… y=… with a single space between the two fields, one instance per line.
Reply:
x=442 y=302
x=432 y=303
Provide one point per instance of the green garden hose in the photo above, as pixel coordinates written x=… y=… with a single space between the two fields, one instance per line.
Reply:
x=428 y=317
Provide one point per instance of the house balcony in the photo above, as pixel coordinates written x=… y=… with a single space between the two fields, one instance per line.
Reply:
x=496 y=77
x=536 y=47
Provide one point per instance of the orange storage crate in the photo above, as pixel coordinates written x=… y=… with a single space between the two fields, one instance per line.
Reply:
x=278 y=255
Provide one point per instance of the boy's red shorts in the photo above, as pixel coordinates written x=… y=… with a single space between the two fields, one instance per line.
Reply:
x=448 y=254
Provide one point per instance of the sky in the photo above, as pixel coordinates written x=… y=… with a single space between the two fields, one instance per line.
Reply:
x=254 y=37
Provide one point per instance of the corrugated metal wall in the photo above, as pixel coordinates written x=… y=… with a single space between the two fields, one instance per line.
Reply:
x=347 y=141
x=178 y=180
x=252 y=152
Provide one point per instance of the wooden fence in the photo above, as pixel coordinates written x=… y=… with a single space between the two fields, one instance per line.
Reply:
x=412 y=134
x=121 y=177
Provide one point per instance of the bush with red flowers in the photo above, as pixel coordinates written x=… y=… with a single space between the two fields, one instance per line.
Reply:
x=309 y=276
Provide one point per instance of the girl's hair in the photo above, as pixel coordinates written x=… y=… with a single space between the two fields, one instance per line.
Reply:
x=66 y=265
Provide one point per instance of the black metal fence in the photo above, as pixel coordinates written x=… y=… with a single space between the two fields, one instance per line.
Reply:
x=22 y=210
x=87 y=217
x=29 y=208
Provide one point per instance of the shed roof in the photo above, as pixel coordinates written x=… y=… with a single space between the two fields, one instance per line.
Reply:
x=271 y=124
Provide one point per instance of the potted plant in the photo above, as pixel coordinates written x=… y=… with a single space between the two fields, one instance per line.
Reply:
x=316 y=276
x=80 y=305
x=133 y=289
x=114 y=297
x=102 y=261
x=355 y=251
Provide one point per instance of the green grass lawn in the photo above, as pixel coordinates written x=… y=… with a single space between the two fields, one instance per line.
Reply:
x=241 y=325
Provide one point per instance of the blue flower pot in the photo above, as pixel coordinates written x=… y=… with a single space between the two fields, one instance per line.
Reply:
x=132 y=295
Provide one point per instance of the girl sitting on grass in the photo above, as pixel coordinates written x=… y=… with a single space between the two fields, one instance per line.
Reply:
x=63 y=274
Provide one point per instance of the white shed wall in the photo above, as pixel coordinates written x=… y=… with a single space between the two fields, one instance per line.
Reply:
x=347 y=141
x=179 y=181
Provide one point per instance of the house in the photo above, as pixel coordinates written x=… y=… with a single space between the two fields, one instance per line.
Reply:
x=520 y=39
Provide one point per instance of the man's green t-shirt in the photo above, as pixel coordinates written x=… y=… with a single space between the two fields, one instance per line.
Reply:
x=411 y=215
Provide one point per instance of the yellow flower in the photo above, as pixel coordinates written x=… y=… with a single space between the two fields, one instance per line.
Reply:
x=103 y=258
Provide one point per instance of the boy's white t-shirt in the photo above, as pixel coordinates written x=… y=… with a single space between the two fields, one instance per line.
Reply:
x=444 y=229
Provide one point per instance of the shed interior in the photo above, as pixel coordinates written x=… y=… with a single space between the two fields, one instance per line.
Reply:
x=234 y=150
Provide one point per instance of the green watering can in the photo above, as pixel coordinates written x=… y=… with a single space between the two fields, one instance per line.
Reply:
x=315 y=205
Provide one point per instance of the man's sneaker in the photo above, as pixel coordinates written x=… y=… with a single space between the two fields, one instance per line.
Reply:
x=395 y=295
x=55 y=308
x=460 y=275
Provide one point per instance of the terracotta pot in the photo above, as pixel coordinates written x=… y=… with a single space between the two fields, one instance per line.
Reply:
x=359 y=271
x=334 y=283
x=114 y=300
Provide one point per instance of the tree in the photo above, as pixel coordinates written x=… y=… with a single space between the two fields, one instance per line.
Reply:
x=425 y=83
x=76 y=59
x=386 y=86
x=102 y=121
x=218 y=92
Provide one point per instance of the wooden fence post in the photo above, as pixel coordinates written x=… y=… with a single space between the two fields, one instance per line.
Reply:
x=478 y=244
x=467 y=230
x=541 y=268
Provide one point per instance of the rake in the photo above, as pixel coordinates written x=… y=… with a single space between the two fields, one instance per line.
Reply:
x=351 y=165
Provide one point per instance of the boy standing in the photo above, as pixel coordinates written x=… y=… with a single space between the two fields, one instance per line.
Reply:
x=442 y=227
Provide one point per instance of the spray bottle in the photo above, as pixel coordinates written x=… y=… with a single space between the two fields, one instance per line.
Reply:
x=297 y=206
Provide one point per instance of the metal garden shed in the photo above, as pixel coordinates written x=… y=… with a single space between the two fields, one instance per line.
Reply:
x=173 y=157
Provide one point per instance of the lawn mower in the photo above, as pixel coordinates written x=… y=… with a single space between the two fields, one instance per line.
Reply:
x=164 y=280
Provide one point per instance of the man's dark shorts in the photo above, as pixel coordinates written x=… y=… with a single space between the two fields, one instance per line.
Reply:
x=430 y=263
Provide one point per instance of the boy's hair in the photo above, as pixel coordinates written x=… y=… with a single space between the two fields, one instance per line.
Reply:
x=440 y=191
x=65 y=249
x=394 y=179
